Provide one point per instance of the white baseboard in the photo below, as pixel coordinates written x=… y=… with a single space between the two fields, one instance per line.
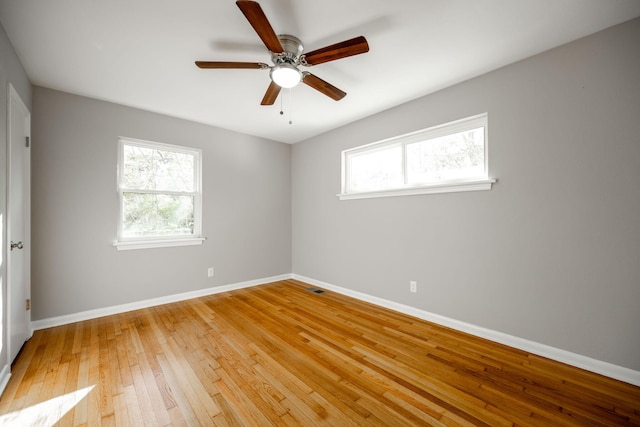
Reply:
x=5 y=374
x=564 y=356
x=123 y=308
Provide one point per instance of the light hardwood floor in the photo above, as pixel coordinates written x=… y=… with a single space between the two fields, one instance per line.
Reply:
x=278 y=354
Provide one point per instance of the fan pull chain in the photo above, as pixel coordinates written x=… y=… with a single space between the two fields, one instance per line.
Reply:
x=291 y=107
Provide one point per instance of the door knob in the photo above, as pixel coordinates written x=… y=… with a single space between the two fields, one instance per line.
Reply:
x=18 y=245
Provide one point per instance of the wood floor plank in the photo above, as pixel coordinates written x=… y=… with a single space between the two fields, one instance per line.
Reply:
x=80 y=410
x=182 y=409
x=104 y=382
x=279 y=355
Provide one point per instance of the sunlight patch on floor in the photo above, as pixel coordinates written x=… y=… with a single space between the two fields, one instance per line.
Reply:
x=46 y=413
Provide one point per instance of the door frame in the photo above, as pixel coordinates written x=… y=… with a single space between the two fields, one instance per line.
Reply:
x=13 y=100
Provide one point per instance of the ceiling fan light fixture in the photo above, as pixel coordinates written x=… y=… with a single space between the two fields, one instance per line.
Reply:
x=286 y=75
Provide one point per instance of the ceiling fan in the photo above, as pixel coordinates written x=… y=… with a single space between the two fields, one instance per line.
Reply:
x=286 y=55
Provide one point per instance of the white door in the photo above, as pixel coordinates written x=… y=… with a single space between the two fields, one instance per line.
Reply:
x=18 y=224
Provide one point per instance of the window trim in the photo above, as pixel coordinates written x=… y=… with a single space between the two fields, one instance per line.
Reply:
x=461 y=185
x=444 y=187
x=146 y=242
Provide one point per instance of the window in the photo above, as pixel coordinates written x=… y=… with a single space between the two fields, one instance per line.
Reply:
x=159 y=187
x=445 y=158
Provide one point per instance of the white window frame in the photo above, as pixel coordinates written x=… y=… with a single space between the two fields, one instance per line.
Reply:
x=458 y=185
x=127 y=243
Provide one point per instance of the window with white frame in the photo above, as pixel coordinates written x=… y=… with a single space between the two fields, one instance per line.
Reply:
x=159 y=188
x=445 y=158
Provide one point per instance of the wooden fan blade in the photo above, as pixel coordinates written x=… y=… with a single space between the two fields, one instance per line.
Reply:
x=258 y=20
x=221 y=64
x=272 y=93
x=321 y=86
x=340 y=50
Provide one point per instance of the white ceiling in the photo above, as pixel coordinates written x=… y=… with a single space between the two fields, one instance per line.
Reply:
x=141 y=53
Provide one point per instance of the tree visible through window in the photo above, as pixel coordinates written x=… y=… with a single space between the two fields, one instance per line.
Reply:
x=159 y=187
x=456 y=156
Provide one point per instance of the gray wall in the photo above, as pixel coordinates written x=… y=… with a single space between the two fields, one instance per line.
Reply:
x=11 y=71
x=246 y=208
x=551 y=254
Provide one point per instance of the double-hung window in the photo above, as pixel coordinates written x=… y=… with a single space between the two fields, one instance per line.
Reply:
x=159 y=187
x=446 y=158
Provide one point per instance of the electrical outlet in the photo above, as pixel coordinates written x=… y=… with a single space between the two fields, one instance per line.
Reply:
x=413 y=286
x=210 y=272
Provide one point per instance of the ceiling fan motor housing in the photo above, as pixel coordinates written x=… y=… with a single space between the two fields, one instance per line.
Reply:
x=292 y=47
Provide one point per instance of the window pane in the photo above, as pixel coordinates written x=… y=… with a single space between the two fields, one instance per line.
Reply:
x=157 y=215
x=375 y=170
x=152 y=169
x=456 y=156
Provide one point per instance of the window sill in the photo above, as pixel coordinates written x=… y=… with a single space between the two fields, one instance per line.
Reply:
x=148 y=244
x=449 y=187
